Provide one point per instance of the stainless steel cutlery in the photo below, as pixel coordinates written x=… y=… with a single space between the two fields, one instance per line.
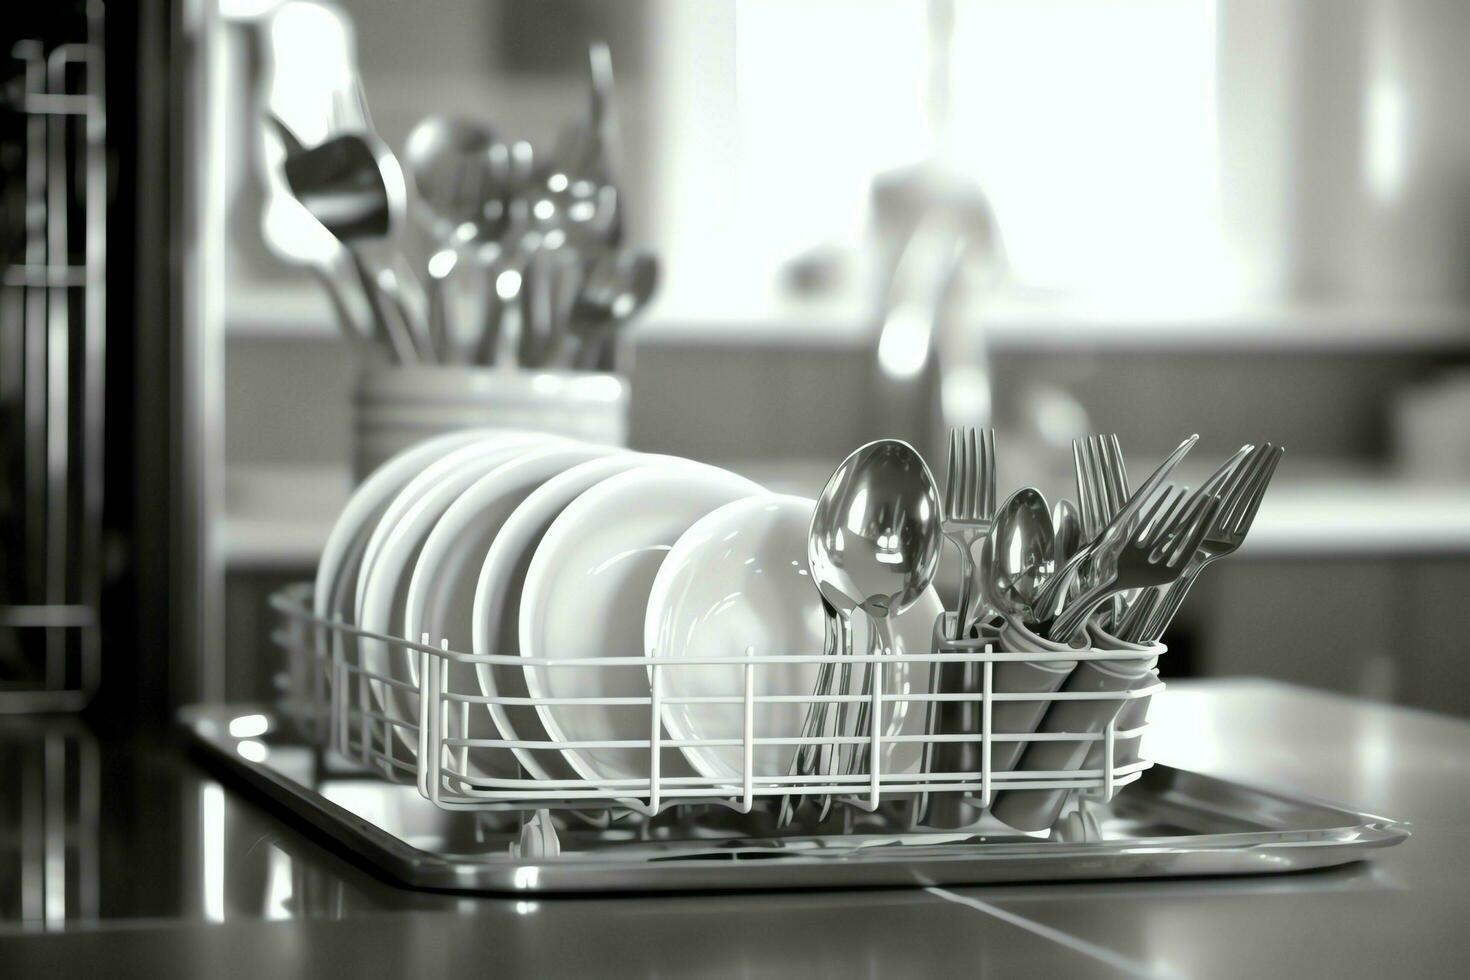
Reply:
x=522 y=260
x=969 y=511
x=1117 y=563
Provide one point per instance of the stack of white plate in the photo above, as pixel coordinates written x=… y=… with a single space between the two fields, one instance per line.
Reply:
x=532 y=545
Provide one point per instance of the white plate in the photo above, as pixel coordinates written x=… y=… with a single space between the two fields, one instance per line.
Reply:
x=383 y=584
x=441 y=591
x=337 y=571
x=585 y=595
x=498 y=602
x=428 y=476
x=738 y=578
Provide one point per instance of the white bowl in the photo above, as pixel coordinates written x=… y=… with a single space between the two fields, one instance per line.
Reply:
x=738 y=580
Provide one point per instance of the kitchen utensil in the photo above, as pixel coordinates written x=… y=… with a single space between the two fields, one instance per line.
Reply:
x=737 y=580
x=498 y=596
x=1239 y=501
x=1112 y=535
x=352 y=185
x=1066 y=522
x=441 y=590
x=618 y=286
x=1102 y=490
x=1019 y=558
x=295 y=237
x=969 y=510
x=461 y=172
x=576 y=199
x=586 y=594
x=1141 y=608
x=1166 y=535
x=875 y=542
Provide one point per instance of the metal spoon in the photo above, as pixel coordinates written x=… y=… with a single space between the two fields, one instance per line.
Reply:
x=460 y=170
x=617 y=287
x=352 y=185
x=1019 y=557
x=875 y=539
x=1066 y=522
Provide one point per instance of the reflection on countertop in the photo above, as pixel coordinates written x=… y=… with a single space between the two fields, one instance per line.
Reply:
x=147 y=858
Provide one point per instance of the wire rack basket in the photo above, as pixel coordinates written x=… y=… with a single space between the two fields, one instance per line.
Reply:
x=426 y=720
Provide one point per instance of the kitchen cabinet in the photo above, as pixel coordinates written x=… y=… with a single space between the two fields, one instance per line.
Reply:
x=1389 y=629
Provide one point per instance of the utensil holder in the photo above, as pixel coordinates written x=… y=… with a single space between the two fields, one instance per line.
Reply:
x=1032 y=809
x=1010 y=720
x=397 y=407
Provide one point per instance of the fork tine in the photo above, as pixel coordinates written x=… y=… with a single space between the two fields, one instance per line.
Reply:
x=1243 y=525
x=1078 y=472
x=1243 y=481
x=963 y=473
x=972 y=484
x=988 y=461
x=1113 y=499
x=1157 y=478
x=1197 y=523
x=1089 y=452
x=1168 y=526
x=1226 y=470
x=1101 y=513
x=1120 y=468
x=951 y=475
x=1144 y=530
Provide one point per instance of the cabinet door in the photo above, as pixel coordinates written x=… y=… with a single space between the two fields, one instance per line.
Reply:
x=1435 y=642
x=1324 y=623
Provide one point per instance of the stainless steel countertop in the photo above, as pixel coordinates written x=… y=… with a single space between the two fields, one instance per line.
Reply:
x=171 y=873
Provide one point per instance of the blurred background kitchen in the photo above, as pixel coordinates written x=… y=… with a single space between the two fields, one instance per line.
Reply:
x=1244 y=218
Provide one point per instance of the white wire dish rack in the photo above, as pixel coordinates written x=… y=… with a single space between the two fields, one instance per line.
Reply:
x=342 y=705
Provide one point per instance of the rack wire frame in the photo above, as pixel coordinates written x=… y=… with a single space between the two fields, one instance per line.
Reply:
x=339 y=704
x=60 y=475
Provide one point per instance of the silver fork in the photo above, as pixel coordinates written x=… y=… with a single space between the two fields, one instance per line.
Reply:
x=1239 y=502
x=1109 y=537
x=969 y=511
x=1221 y=483
x=1155 y=553
x=1102 y=485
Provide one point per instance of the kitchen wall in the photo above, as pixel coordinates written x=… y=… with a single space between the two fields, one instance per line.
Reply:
x=1246 y=218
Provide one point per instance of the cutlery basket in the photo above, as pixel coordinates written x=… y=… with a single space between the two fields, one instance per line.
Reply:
x=458 y=759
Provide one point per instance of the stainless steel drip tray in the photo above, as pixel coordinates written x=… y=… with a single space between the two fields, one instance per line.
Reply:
x=1170 y=823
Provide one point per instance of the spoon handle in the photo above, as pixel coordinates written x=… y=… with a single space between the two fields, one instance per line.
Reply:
x=1074 y=617
x=880 y=644
x=805 y=760
x=399 y=345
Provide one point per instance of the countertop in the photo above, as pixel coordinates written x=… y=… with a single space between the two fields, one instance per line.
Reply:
x=157 y=869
